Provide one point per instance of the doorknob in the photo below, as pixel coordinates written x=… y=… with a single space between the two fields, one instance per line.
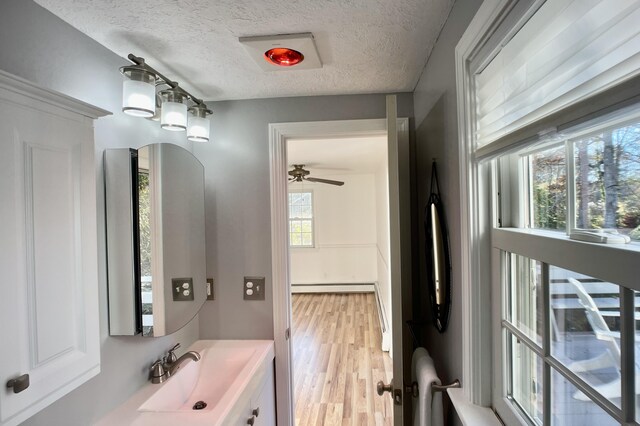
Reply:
x=382 y=388
x=19 y=383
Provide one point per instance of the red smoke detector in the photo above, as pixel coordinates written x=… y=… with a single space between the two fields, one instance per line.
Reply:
x=283 y=56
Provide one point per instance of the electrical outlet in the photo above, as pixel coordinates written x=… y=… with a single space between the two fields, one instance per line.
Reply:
x=182 y=289
x=210 y=295
x=253 y=288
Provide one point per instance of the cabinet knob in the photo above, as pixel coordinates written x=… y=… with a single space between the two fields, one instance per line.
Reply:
x=256 y=411
x=19 y=383
x=251 y=421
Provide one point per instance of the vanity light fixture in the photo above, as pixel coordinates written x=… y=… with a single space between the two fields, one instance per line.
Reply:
x=199 y=124
x=138 y=92
x=170 y=106
x=174 y=110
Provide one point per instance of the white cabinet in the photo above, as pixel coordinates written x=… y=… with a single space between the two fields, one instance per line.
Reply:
x=264 y=402
x=49 y=325
x=260 y=406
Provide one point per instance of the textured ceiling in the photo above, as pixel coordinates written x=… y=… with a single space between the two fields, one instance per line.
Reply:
x=327 y=157
x=367 y=46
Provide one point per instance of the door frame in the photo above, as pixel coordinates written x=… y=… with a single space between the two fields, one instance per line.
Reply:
x=279 y=133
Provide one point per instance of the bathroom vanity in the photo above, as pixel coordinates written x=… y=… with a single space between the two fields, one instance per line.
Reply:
x=232 y=384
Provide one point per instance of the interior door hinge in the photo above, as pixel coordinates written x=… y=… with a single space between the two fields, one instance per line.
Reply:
x=287 y=333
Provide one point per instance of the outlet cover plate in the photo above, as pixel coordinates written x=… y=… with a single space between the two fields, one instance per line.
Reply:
x=210 y=294
x=254 y=286
x=182 y=289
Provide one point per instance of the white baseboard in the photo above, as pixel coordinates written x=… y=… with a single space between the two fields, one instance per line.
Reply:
x=385 y=327
x=332 y=288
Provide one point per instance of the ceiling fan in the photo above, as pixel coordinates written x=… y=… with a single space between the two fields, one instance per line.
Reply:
x=299 y=174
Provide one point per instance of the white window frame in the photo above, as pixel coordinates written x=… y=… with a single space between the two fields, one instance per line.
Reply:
x=616 y=264
x=479 y=261
x=312 y=219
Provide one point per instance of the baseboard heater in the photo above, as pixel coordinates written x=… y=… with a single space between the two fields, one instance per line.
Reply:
x=333 y=288
x=384 y=321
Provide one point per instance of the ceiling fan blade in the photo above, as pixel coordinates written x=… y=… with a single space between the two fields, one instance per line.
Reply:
x=330 y=182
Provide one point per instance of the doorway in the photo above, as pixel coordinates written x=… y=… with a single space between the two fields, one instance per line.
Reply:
x=338 y=216
x=397 y=131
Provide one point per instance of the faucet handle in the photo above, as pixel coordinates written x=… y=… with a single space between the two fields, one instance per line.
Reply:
x=171 y=356
x=157 y=372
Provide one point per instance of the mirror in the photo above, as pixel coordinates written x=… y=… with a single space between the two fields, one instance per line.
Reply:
x=155 y=239
x=438 y=259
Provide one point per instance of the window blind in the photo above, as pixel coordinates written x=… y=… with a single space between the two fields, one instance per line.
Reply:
x=567 y=51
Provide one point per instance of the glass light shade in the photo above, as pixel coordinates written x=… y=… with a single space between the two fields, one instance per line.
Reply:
x=198 y=130
x=138 y=98
x=173 y=116
x=283 y=56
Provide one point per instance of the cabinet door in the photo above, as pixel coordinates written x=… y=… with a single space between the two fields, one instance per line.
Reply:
x=48 y=253
x=265 y=402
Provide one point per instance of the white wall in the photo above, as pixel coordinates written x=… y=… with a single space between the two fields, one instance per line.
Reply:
x=38 y=46
x=345 y=233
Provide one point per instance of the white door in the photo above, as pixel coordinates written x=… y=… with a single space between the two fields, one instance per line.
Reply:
x=397 y=151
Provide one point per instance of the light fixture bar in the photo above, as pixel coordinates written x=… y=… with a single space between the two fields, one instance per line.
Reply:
x=172 y=84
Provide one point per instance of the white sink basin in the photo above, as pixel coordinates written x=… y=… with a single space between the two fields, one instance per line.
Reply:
x=227 y=371
x=206 y=380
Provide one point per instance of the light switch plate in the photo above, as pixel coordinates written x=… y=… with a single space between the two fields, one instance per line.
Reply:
x=182 y=289
x=210 y=294
x=253 y=288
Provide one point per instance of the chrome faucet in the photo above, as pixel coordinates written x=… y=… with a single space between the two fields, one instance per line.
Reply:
x=161 y=370
x=191 y=355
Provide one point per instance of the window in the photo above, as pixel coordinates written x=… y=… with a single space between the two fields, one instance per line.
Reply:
x=301 y=219
x=568 y=309
x=591 y=181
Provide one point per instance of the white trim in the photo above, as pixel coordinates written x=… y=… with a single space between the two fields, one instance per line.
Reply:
x=476 y=319
x=280 y=273
x=278 y=135
x=20 y=86
x=615 y=263
x=470 y=414
x=332 y=288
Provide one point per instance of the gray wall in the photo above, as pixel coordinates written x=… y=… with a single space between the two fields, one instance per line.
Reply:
x=437 y=136
x=36 y=45
x=238 y=205
x=39 y=47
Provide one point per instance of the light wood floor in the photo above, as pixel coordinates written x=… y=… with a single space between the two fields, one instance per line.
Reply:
x=338 y=361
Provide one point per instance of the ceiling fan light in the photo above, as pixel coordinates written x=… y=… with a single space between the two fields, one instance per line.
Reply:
x=174 y=111
x=138 y=92
x=199 y=125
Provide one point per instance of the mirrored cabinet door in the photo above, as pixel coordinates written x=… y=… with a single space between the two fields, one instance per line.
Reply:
x=157 y=279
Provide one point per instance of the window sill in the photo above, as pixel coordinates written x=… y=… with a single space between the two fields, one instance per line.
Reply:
x=471 y=414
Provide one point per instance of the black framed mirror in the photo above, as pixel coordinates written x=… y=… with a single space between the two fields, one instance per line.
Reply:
x=438 y=257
